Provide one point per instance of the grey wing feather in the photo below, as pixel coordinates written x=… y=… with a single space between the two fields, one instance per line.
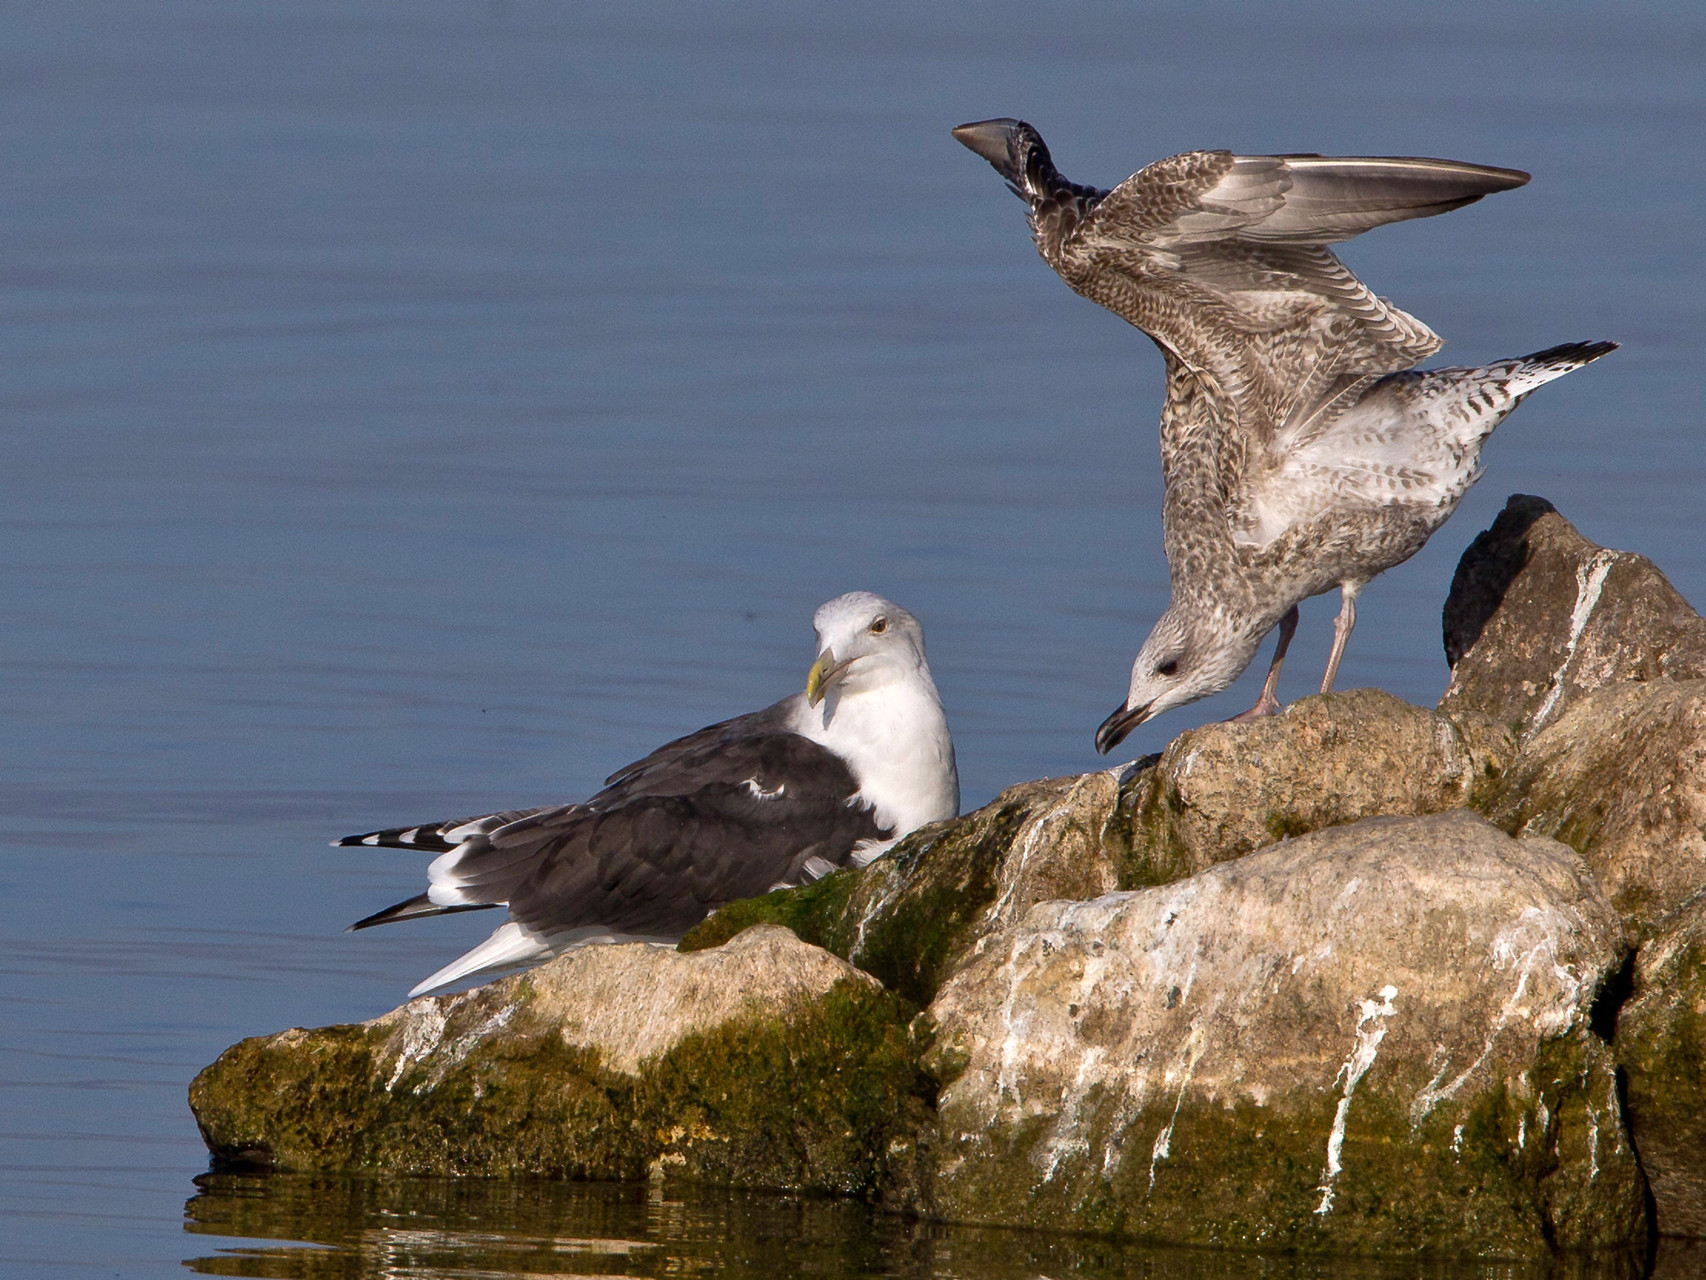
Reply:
x=733 y=818
x=414 y=908
x=1302 y=199
x=1222 y=259
x=1333 y=198
x=772 y=718
x=728 y=812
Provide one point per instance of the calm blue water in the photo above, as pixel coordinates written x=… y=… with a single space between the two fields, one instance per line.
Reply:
x=413 y=409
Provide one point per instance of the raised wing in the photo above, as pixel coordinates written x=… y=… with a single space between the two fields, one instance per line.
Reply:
x=1222 y=259
x=1292 y=199
x=1414 y=438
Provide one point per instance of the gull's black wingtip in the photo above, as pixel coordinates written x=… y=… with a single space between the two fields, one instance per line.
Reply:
x=415 y=908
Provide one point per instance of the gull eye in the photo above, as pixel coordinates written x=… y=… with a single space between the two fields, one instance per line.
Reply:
x=879 y=626
x=1168 y=668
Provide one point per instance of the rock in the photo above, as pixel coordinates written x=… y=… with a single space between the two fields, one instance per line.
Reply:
x=1538 y=617
x=1227 y=789
x=1374 y=1038
x=766 y=1063
x=913 y=916
x=1677 y=1259
x=1661 y=1046
x=636 y=1002
x=1277 y=987
x=1621 y=777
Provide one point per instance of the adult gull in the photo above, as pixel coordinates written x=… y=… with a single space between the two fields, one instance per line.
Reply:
x=829 y=777
x=1298 y=453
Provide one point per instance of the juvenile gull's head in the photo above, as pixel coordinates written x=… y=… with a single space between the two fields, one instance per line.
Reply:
x=1187 y=656
x=1016 y=151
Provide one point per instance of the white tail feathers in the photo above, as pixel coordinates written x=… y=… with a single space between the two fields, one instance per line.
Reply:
x=510 y=945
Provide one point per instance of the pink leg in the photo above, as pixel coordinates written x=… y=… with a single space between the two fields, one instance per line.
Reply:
x=1268 y=703
x=1341 y=631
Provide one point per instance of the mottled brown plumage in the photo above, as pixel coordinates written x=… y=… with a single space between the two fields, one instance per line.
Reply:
x=1297 y=453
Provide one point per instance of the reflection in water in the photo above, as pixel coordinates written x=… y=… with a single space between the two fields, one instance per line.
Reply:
x=332 y=1228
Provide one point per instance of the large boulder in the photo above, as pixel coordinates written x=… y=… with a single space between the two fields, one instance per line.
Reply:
x=1228 y=789
x=1621 y=777
x=1539 y=617
x=915 y=916
x=1661 y=1045
x=764 y=1063
x=1375 y=1037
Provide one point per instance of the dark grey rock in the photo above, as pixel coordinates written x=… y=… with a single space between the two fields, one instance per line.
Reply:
x=1621 y=778
x=1539 y=616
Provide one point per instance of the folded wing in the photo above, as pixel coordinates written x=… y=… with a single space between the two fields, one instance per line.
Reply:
x=730 y=812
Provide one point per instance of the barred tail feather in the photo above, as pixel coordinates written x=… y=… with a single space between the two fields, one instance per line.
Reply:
x=438 y=837
x=1529 y=372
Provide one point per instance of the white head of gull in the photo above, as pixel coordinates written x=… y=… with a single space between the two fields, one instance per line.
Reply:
x=869 y=699
x=827 y=778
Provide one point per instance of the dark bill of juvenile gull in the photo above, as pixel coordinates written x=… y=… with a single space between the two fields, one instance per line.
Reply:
x=827 y=778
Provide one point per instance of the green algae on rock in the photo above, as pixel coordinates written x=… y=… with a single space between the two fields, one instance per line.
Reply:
x=1661 y=1046
x=800 y=1077
x=1370 y=1038
x=328 y=1100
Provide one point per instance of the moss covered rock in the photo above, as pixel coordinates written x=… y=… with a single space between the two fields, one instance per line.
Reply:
x=916 y=914
x=1661 y=1045
x=1228 y=789
x=1373 y=1038
x=1276 y=987
x=1539 y=617
x=1621 y=778
x=767 y=1063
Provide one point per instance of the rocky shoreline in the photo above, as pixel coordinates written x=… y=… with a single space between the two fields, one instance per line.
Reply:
x=1364 y=976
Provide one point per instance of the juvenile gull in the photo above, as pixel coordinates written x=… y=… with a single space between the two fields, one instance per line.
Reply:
x=1297 y=452
x=826 y=778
